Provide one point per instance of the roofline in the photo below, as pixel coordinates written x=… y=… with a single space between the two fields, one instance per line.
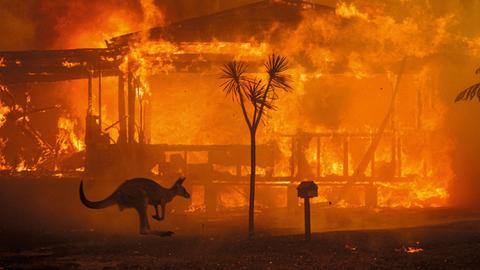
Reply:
x=304 y=5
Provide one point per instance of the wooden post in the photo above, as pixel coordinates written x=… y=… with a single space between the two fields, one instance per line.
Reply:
x=88 y=119
x=122 y=136
x=210 y=195
x=394 y=153
x=292 y=158
x=90 y=94
x=307 y=219
x=399 y=155
x=345 y=156
x=372 y=161
x=141 y=134
x=147 y=119
x=307 y=190
x=88 y=125
x=100 y=100
x=318 y=155
x=131 y=108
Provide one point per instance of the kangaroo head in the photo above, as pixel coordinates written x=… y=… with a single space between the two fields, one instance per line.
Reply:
x=178 y=188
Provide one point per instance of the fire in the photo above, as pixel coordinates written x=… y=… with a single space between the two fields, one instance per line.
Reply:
x=4 y=110
x=416 y=194
x=22 y=167
x=344 y=66
x=413 y=250
x=233 y=197
x=198 y=199
x=147 y=58
x=240 y=50
x=27 y=149
x=70 y=64
x=101 y=20
x=67 y=140
x=349 y=11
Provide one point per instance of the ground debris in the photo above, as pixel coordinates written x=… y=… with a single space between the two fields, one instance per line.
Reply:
x=450 y=246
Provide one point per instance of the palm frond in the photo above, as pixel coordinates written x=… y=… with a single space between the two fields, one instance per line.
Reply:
x=275 y=67
x=255 y=91
x=469 y=93
x=233 y=74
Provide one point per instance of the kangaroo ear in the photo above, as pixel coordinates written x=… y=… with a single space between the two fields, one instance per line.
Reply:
x=180 y=181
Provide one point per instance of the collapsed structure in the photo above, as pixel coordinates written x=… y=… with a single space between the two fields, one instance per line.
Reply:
x=199 y=46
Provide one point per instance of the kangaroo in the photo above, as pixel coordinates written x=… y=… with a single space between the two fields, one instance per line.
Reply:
x=138 y=193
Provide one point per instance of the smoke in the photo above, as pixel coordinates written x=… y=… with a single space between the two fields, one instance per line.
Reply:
x=62 y=24
x=65 y=24
x=17 y=26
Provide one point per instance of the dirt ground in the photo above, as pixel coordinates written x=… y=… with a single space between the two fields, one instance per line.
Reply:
x=453 y=245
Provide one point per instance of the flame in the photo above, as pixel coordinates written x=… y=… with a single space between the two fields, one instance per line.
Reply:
x=413 y=250
x=4 y=110
x=343 y=66
x=197 y=203
x=233 y=197
x=349 y=11
x=67 y=140
x=147 y=58
x=68 y=64
x=22 y=167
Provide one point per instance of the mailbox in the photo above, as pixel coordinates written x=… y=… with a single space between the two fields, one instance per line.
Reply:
x=307 y=189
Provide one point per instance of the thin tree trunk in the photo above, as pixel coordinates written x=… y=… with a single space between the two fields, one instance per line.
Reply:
x=252 y=185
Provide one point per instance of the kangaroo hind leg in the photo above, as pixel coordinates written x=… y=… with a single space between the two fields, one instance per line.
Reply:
x=143 y=220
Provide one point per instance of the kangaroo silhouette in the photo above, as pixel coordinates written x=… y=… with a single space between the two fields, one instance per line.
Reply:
x=138 y=193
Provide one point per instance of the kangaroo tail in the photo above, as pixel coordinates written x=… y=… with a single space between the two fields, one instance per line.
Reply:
x=98 y=204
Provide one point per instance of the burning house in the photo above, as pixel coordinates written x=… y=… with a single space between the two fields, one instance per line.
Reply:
x=364 y=125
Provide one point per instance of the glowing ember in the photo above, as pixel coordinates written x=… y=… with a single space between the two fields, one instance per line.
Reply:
x=68 y=64
x=413 y=250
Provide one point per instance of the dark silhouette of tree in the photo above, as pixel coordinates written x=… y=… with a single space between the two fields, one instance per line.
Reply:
x=471 y=92
x=256 y=97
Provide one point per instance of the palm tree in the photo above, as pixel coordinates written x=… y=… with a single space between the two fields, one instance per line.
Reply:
x=470 y=92
x=256 y=97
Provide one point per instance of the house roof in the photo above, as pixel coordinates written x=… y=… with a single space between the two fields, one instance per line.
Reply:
x=258 y=21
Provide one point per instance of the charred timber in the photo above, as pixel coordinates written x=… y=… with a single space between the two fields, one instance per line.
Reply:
x=56 y=65
x=52 y=66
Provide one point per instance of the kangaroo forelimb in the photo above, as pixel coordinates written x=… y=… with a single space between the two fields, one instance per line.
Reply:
x=157 y=216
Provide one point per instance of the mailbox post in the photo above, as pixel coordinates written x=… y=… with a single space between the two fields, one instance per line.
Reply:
x=307 y=190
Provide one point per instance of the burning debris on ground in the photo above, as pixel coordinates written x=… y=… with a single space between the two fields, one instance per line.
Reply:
x=134 y=89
